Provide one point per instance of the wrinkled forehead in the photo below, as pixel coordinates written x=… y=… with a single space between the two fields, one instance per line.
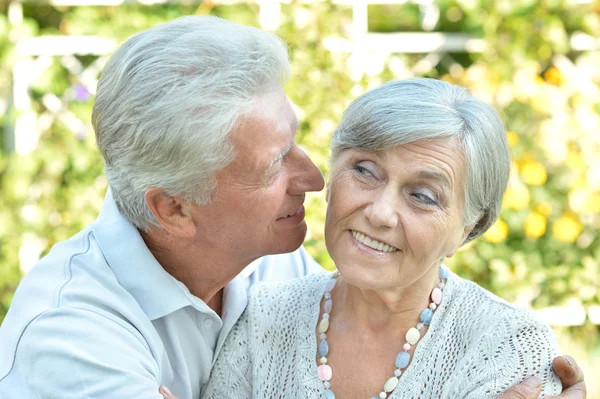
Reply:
x=453 y=144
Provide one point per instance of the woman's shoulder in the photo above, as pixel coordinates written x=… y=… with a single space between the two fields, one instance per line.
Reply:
x=305 y=284
x=484 y=310
x=288 y=296
x=498 y=341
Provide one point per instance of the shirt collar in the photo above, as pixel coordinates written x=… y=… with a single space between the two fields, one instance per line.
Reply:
x=136 y=269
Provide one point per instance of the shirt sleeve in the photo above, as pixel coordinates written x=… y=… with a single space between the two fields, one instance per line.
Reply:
x=515 y=348
x=231 y=376
x=73 y=353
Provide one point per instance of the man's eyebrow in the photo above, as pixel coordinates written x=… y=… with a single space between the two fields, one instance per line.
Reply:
x=433 y=175
x=287 y=149
x=279 y=157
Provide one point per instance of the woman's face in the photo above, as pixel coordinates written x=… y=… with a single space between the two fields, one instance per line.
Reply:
x=409 y=199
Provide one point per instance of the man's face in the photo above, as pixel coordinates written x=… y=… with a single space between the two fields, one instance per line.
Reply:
x=258 y=201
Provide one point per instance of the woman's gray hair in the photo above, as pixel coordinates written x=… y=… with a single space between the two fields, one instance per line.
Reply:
x=167 y=101
x=401 y=112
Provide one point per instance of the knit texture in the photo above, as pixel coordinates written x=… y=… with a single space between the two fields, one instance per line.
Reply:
x=477 y=347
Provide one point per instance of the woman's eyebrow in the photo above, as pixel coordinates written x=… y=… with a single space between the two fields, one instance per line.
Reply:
x=438 y=176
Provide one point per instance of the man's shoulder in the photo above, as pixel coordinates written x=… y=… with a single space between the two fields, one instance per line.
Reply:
x=72 y=282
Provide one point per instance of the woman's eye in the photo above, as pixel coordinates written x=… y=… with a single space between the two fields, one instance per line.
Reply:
x=425 y=198
x=363 y=171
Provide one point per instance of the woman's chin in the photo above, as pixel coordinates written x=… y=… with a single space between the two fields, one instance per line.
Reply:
x=364 y=278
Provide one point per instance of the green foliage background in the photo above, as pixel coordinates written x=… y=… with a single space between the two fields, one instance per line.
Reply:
x=544 y=251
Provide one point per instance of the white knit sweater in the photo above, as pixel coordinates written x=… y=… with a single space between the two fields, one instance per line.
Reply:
x=477 y=347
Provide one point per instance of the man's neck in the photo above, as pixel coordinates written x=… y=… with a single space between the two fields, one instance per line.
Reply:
x=205 y=273
x=216 y=303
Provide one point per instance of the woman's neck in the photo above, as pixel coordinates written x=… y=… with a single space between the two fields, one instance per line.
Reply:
x=387 y=310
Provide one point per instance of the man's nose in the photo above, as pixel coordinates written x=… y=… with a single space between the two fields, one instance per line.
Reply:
x=307 y=176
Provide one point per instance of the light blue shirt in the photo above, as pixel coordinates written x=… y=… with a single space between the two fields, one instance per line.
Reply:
x=99 y=317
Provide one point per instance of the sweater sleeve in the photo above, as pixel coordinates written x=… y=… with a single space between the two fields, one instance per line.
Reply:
x=516 y=347
x=231 y=376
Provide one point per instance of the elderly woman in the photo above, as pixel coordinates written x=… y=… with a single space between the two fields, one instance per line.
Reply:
x=419 y=168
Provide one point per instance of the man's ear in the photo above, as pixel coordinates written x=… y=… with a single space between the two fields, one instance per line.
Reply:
x=173 y=213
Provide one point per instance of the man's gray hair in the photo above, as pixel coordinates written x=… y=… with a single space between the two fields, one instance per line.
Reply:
x=167 y=101
x=402 y=112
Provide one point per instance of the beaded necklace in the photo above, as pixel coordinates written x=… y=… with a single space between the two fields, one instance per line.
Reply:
x=412 y=337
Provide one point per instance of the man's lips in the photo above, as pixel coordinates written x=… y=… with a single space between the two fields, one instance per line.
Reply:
x=297 y=214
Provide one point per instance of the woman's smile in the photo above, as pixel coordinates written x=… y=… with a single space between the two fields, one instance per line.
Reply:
x=371 y=244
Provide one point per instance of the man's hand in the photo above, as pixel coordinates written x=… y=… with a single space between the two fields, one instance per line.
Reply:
x=569 y=373
x=571 y=377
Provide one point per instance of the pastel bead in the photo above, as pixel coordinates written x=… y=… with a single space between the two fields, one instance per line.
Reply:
x=323 y=325
x=327 y=306
x=444 y=272
x=402 y=359
x=390 y=384
x=327 y=394
x=412 y=336
x=323 y=348
x=330 y=284
x=406 y=347
x=426 y=316
x=382 y=395
x=436 y=295
x=324 y=372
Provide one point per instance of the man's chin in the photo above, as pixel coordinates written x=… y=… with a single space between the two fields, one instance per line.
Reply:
x=289 y=243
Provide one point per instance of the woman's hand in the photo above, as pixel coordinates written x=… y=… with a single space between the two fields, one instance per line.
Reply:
x=164 y=391
x=570 y=375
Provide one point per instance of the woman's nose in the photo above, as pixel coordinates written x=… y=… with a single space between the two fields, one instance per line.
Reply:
x=382 y=211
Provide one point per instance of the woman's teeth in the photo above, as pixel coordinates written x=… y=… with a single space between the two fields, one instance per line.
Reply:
x=371 y=243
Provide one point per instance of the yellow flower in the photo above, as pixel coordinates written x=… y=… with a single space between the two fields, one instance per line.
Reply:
x=567 y=228
x=498 y=232
x=544 y=208
x=534 y=173
x=535 y=225
x=554 y=76
x=513 y=138
x=516 y=197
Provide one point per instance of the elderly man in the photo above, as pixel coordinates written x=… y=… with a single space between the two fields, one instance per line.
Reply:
x=207 y=188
